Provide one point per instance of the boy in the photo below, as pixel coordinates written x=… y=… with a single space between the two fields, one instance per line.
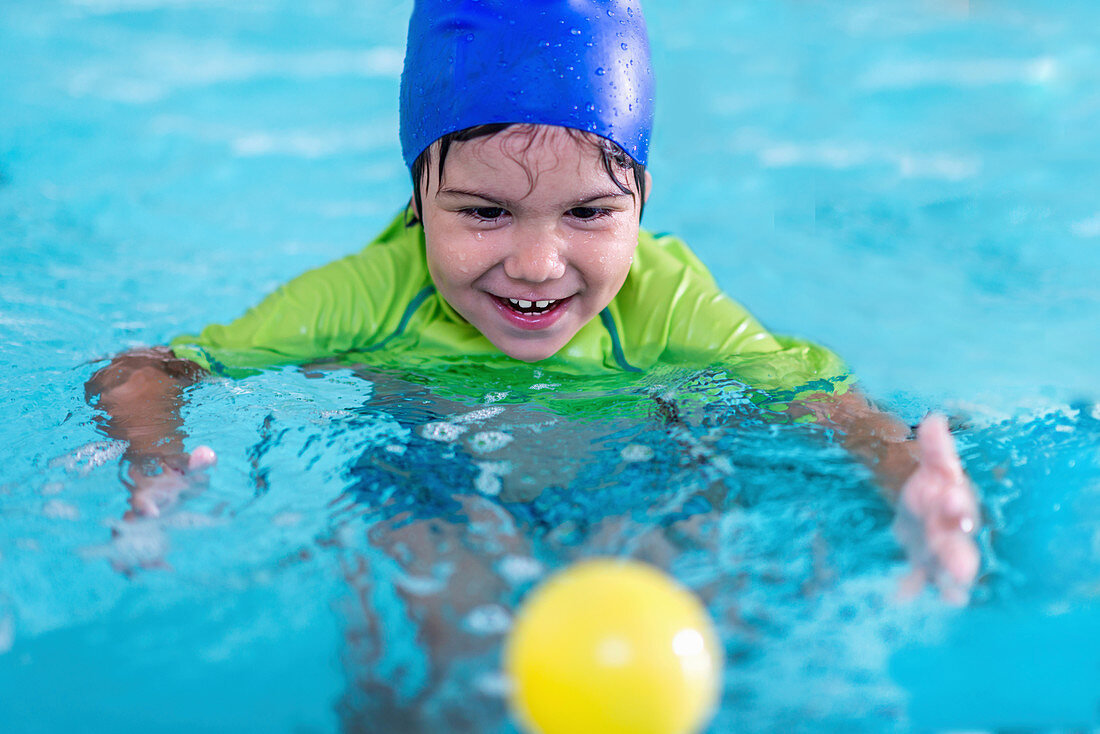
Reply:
x=526 y=129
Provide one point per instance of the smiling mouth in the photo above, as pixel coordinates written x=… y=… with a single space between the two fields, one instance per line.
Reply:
x=531 y=316
x=532 y=308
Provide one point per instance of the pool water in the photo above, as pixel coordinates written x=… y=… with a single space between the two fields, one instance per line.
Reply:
x=912 y=184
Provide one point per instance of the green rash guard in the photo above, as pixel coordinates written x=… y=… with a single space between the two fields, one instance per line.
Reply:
x=378 y=307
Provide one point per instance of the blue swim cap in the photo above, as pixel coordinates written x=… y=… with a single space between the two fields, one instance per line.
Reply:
x=582 y=64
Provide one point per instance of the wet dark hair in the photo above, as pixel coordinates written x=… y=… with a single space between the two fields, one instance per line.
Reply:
x=612 y=156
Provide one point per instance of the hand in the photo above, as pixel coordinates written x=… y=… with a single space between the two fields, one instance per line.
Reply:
x=153 y=493
x=937 y=517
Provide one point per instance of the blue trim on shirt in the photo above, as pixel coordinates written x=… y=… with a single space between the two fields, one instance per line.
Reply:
x=616 y=345
x=425 y=293
x=216 y=365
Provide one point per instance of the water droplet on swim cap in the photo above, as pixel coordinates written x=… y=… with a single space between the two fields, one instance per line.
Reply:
x=503 y=62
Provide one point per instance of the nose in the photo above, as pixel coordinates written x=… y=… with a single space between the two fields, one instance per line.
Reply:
x=536 y=257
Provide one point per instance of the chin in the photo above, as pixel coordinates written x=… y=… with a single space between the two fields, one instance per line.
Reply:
x=531 y=356
x=530 y=352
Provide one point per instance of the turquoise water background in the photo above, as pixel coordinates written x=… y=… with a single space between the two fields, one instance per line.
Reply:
x=913 y=184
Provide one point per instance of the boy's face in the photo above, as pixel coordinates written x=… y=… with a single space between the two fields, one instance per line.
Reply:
x=527 y=237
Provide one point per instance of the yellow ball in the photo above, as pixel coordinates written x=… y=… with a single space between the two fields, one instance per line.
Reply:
x=613 y=647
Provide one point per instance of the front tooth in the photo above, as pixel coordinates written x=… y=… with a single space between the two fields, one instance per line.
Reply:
x=523 y=304
x=542 y=304
x=513 y=300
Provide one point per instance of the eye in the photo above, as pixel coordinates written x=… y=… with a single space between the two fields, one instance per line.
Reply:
x=485 y=213
x=587 y=213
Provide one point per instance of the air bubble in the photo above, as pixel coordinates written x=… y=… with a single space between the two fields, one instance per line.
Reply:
x=287 y=519
x=494 y=684
x=600 y=71
x=442 y=431
x=58 y=510
x=490 y=619
x=480 y=414
x=488 y=481
x=488 y=441
x=636 y=453
x=89 y=456
x=520 y=569
x=7 y=628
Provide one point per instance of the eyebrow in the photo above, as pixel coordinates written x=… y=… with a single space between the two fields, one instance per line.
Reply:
x=585 y=200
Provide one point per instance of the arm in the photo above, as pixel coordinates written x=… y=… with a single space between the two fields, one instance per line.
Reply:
x=333 y=309
x=936 y=509
x=330 y=310
x=141 y=393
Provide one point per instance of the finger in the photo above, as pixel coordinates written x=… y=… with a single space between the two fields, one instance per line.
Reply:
x=959 y=558
x=921 y=493
x=955 y=575
x=201 y=458
x=911 y=495
x=937 y=448
x=912 y=584
x=960 y=508
x=958 y=596
x=144 y=504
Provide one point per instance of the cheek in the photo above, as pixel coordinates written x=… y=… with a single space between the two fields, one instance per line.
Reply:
x=609 y=258
x=457 y=256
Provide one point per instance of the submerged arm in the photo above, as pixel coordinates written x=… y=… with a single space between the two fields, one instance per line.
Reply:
x=878 y=439
x=141 y=393
x=936 y=508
